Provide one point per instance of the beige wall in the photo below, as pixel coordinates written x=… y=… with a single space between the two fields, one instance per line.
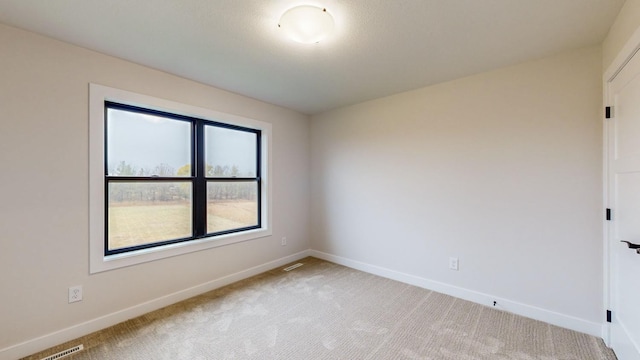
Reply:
x=627 y=22
x=502 y=170
x=44 y=188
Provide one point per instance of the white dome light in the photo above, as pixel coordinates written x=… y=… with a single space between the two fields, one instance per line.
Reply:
x=306 y=24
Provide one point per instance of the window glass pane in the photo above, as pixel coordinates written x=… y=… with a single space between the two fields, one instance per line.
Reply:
x=147 y=145
x=148 y=211
x=230 y=153
x=231 y=205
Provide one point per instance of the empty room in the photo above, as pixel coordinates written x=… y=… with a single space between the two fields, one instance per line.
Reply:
x=290 y=179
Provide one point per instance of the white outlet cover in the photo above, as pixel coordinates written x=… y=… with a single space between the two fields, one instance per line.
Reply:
x=75 y=294
x=453 y=263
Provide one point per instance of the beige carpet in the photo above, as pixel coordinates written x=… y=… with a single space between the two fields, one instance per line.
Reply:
x=326 y=311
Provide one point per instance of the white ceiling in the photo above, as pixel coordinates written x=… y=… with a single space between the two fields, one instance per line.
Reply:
x=380 y=47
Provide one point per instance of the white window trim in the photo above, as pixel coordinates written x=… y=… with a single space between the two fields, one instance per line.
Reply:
x=98 y=262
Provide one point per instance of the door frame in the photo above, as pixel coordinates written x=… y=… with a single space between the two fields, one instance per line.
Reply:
x=631 y=47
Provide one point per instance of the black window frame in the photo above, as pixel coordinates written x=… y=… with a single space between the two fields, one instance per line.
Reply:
x=198 y=177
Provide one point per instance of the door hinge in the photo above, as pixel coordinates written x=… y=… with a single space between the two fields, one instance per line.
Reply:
x=608 y=215
x=608 y=316
x=607 y=112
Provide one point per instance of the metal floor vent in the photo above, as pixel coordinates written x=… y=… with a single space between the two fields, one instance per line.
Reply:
x=293 y=267
x=65 y=353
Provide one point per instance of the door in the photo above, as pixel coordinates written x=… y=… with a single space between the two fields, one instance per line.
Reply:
x=623 y=197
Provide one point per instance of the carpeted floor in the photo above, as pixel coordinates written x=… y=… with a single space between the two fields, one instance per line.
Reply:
x=326 y=311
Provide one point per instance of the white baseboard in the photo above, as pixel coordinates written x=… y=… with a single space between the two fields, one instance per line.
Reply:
x=606 y=334
x=44 y=342
x=624 y=345
x=536 y=313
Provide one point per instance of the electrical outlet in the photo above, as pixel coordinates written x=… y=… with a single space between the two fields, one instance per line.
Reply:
x=284 y=241
x=75 y=294
x=453 y=263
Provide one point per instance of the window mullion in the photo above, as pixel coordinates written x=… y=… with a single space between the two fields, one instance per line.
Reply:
x=200 y=185
x=259 y=174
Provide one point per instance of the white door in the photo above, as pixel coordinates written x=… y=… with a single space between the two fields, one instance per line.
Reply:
x=623 y=148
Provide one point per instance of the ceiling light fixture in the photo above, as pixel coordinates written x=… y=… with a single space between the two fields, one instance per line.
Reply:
x=306 y=24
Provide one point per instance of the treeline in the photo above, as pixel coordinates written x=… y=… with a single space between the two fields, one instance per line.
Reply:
x=125 y=169
x=165 y=191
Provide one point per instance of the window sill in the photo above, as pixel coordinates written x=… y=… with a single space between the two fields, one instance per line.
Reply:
x=116 y=261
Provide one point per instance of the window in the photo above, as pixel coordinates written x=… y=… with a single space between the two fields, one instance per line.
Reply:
x=173 y=178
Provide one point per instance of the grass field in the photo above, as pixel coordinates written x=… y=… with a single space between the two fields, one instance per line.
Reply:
x=132 y=224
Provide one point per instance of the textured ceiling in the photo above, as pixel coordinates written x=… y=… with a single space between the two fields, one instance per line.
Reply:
x=380 y=47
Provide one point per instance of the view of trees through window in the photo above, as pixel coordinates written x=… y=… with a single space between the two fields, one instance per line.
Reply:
x=150 y=181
